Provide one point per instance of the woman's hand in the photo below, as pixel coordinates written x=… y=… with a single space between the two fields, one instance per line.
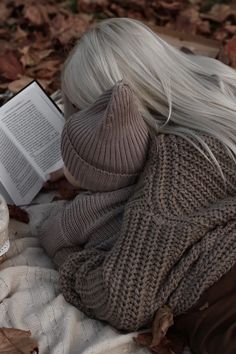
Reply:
x=56 y=175
x=58 y=181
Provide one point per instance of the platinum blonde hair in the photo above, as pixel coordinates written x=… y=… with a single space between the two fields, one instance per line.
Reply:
x=177 y=93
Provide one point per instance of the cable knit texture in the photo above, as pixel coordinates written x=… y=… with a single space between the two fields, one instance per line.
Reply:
x=176 y=238
x=124 y=254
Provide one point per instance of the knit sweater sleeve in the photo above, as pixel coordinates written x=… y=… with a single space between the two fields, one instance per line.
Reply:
x=104 y=284
x=90 y=217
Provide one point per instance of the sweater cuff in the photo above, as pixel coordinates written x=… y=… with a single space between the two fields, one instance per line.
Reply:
x=82 y=283
x=51 y=235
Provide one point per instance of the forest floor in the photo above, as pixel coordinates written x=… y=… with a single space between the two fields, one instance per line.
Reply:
x=36 y=36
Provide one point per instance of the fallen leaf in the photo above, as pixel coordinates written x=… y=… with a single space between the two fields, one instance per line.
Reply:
x=47 y=69
x=45 y=83
x=230 y=28
x=118 y=10
x=164 y=347
x=34 y=15
x=173 y=6
x=17 y=85
x=4 y=12
x=144 y=339
x=220 y=35
x=66 y=28
x=10 y=66
x=220 y=12
x=91 y=6
x=44 y=53
x=19 y=34
x=4 y=86
x=4 y=33
x=18 y=214
x=204 y=27
x=27 y=59
x=162 y=321
x=15 y=341
x=188 y=21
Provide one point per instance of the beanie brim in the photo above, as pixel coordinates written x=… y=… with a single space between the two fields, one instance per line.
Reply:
x=88 y=176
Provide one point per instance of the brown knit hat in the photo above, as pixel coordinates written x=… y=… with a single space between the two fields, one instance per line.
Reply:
x=104 y=147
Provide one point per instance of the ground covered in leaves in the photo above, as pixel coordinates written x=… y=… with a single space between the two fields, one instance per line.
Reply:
x=36 y=36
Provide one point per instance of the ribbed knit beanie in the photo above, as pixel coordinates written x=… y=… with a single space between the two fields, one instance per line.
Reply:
x=104 y=146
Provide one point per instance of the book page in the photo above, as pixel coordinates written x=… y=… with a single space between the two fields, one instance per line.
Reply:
x=34 y=125
x=19 y=181
x=5 y=194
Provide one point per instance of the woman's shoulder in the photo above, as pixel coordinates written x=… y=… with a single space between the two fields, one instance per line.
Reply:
x=182 y=156
x=178 y=175
x=178 y=146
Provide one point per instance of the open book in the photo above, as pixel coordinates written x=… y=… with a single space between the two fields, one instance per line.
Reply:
x=30 y=133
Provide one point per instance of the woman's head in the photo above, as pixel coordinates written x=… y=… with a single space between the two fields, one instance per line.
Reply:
x=176 y=92
x=116 y=49
x=104 y=147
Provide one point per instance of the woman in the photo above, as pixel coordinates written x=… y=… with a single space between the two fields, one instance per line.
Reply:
x=151 y=136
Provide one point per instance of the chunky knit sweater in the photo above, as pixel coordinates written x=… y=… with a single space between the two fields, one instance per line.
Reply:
x=122 y=255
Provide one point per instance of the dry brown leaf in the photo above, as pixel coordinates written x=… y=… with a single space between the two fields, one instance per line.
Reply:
x=45 y=83
x=188 y=20
x=144 y=339
x=118 y=10
x=15 y=341
x=23 y=2
x=162 y=322
x=17 y=85
x=204 y=27
x=19 y=34
x=172 y=6
x=4 y=12
x=34 y=15
x=27 y=58
x=32 y=57
x=230 y=28
x=220 y=35
x=43 y=54
x=47 y=69
x=92 y=6
x=4 y=33
x=10 y=66
x=65 y=28
x=220 y=12
x=4 y=86
x=18 y=214
x=164 y=347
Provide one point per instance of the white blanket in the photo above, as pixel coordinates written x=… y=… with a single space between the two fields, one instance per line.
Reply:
x=30 y=299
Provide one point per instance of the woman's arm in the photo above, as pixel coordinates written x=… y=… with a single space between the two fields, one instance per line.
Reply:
x=92 y=217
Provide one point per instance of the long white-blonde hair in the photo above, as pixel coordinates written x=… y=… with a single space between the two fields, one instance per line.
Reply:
x=177 y=93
